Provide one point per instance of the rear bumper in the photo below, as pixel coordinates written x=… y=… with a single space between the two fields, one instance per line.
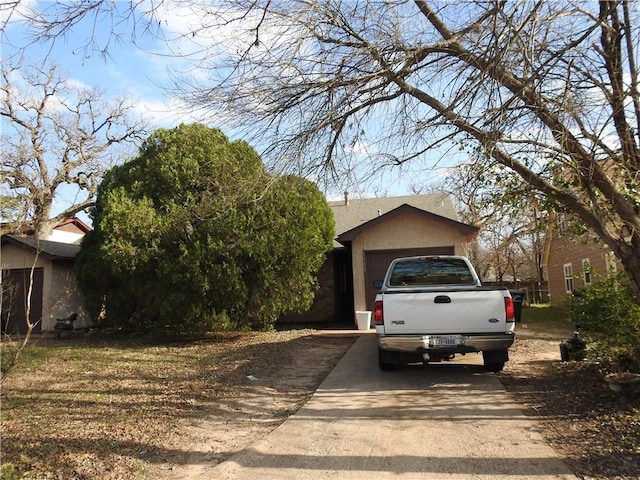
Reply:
x=464 y=343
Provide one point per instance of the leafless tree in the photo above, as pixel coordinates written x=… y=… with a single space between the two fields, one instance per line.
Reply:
x=549 y=90
x=57 y=134
x=507 y=214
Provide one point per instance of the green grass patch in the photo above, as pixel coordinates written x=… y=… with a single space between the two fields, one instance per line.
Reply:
x=9 y=472
x=546 y=318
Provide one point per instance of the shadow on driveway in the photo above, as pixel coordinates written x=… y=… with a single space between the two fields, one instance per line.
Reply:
x=440 y=421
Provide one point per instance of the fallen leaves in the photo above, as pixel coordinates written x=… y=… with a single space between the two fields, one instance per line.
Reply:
x=596 y=431
x=114 y=409
x=87 y=408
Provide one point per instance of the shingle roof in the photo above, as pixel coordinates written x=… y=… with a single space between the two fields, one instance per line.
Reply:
x=356 y=212
x=53 y=250
x=350 y=235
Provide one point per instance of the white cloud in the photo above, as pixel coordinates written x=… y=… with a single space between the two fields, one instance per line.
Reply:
x=360 y=148
x=165 y=114
x=11 y=14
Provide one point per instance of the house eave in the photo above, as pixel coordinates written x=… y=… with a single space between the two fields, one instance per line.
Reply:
x=54 y=251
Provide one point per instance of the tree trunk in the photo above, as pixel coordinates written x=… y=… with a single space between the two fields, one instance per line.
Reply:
x=43 y=225
x=631 y=262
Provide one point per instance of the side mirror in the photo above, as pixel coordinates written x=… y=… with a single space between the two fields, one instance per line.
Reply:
x=377 y=284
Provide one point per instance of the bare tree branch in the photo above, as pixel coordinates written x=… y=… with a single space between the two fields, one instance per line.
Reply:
x=549 y=90
x=58 y=137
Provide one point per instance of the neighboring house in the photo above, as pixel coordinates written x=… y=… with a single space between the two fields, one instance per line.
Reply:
x=372 y=232
x=572 y=261
x=46 y=267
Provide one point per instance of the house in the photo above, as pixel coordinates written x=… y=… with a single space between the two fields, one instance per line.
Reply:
x=572 y=261
x=46 y=266
x=372 y=232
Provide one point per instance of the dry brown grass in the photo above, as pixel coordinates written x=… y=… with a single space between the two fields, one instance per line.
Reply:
x=89 y=408
x=86 y=408
x=595 y=431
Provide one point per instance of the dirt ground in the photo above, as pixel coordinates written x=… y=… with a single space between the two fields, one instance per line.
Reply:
x=265 y=394
x=595 y=431
x=87 y=408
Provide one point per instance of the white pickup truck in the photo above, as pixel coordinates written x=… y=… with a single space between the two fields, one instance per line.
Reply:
x=430 y=308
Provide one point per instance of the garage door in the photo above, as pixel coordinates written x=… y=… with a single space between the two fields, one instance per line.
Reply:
x=15 y=292
x=376 y=264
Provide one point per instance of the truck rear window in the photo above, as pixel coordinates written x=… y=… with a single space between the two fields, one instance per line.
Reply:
x=430 y=271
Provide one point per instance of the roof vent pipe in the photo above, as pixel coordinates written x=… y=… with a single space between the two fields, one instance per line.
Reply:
x=346 y=198
x=379 y=212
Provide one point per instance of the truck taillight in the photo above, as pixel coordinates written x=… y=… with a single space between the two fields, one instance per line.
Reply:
x=377 y=313
x=509 y=309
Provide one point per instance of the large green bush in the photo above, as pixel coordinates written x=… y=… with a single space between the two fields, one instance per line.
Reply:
x=609 y=315
x=193 y=235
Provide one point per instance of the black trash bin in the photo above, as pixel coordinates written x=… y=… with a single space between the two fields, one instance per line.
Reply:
x=573 y=348
x=518 y=300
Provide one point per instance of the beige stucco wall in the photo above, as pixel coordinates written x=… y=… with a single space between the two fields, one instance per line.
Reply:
x=406 y=230
x=64 y=297
x=13 y=256
x=61 y=293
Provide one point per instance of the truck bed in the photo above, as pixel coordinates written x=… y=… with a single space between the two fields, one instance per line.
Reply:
x=447 y=310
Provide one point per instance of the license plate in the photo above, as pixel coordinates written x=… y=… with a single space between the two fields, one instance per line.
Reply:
x=444 y=340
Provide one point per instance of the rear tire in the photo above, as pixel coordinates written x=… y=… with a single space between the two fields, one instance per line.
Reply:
x=383 y=361
x=494 y=360
x=494 y=366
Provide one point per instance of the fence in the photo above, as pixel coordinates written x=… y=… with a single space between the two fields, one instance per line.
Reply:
x=535 y=292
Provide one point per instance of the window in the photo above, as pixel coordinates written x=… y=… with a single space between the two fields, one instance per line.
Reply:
x=562 y=223
x=568 y=277
x=431 y=271
x=586 y=271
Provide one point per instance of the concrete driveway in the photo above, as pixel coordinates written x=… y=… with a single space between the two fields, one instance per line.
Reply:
x=442 y=421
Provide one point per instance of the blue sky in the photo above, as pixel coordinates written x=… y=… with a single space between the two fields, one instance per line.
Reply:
x=128 y=70
x=141 y=71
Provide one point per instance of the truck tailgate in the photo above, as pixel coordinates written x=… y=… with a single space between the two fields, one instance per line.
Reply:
x=444 y=311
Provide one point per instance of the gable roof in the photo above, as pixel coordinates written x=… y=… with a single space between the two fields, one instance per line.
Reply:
x=350 y=235
x=73 y=225
x=353 y=216
x=51 y=250
x=351 y=213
